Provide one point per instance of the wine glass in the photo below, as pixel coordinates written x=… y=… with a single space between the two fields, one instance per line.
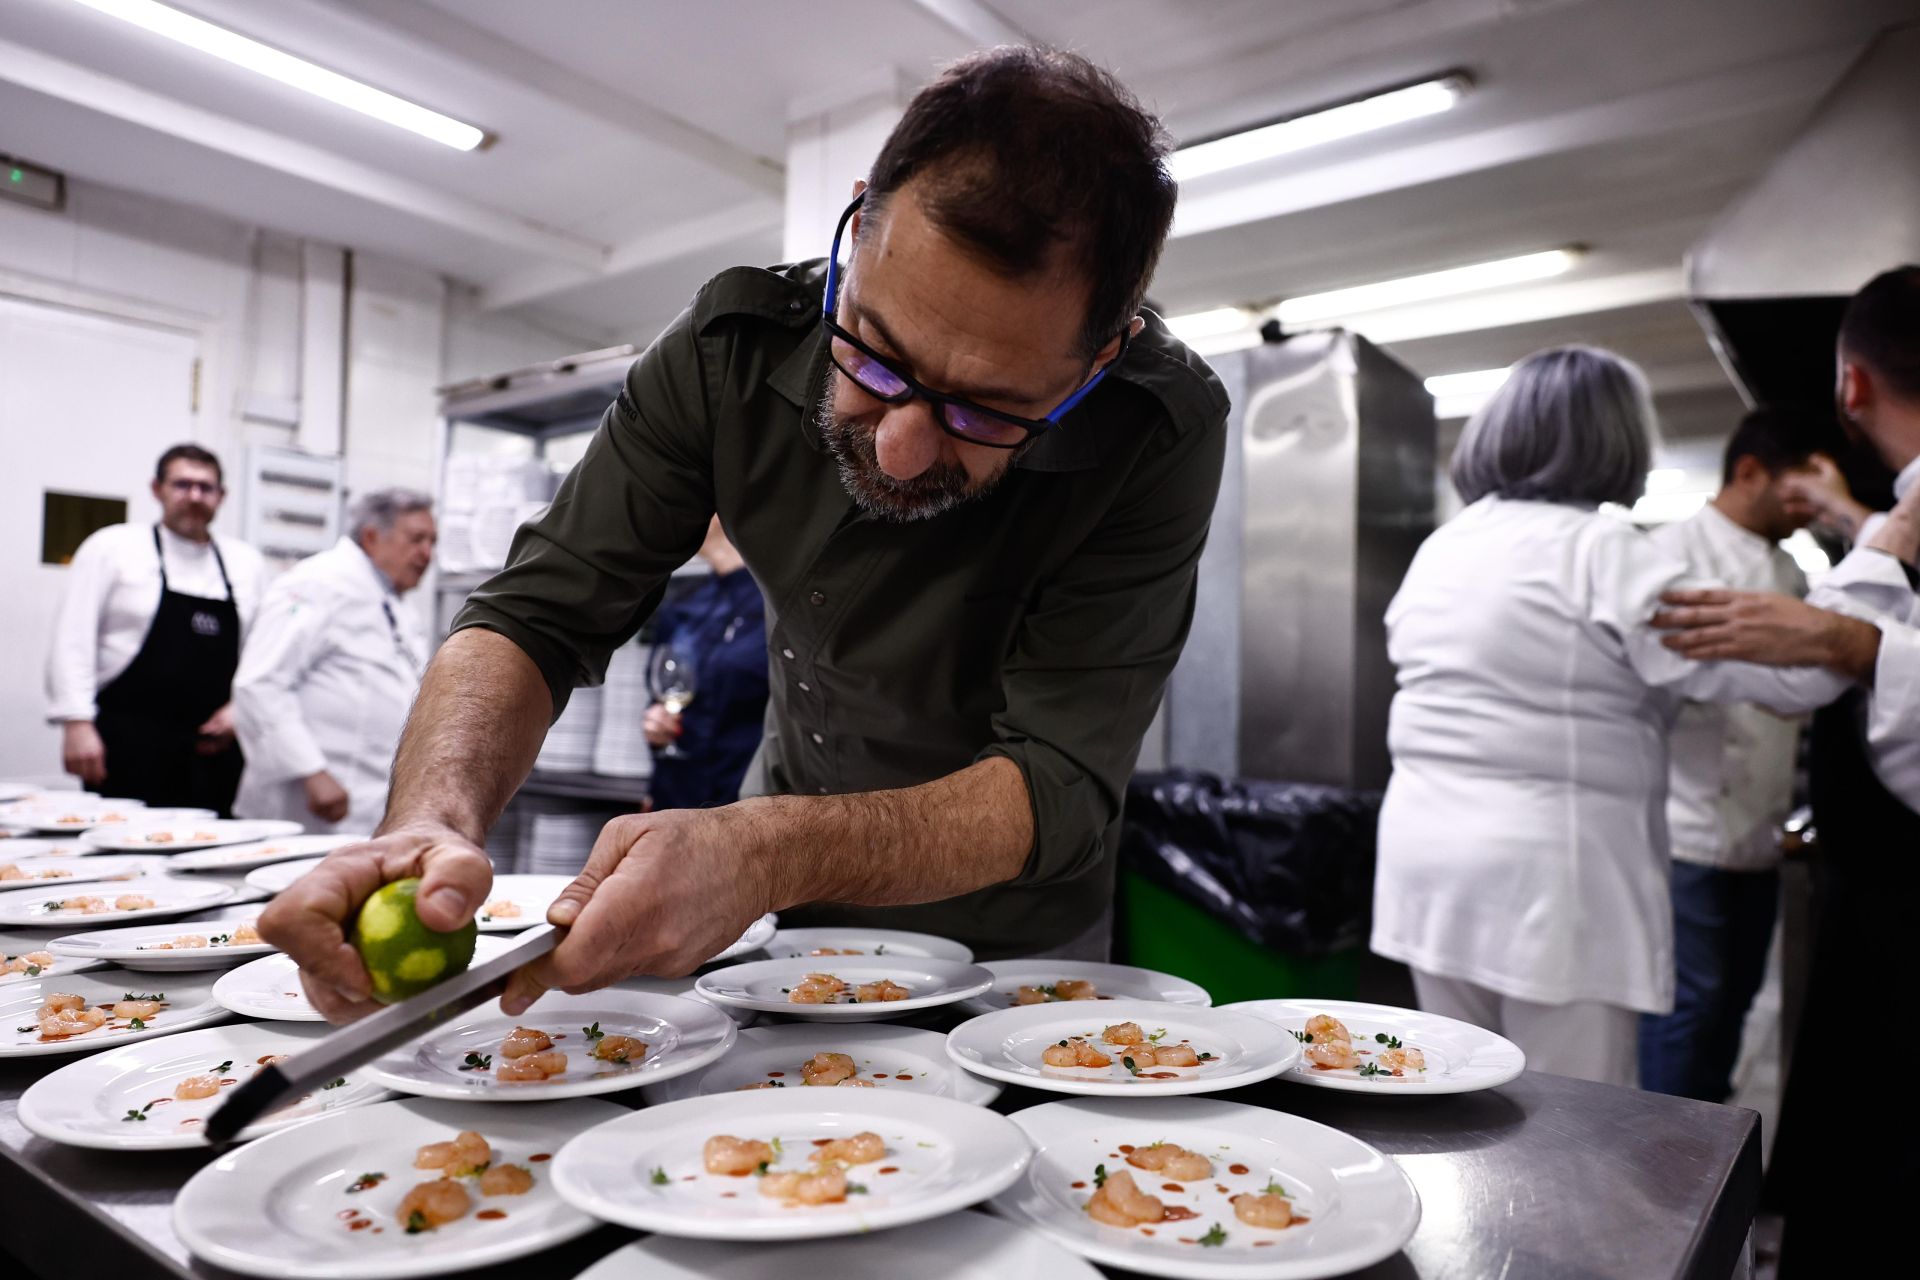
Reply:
x=671 y=679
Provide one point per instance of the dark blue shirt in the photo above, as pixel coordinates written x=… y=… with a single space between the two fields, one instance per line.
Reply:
x=724 y=623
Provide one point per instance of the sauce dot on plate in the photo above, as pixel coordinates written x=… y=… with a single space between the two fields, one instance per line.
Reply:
x=1236 y=1168
x=491 y=1215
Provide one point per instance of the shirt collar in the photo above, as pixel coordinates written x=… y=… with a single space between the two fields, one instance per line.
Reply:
x=373 y=570
x=1908 y=477
x=1731 y=533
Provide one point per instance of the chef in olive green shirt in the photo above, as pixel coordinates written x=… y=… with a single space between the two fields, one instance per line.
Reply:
x=973 y=482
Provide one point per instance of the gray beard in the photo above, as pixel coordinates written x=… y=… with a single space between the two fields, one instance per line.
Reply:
x=933 y=492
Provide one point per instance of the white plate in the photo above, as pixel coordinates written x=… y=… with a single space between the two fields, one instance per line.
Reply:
x=79 y=870
x=1461 y=1058
x=758 y=934
x=271 y=1207
x=790 y=943
x=171 y=897
x=681 y=1036
x=92 y=1102
x=276 y=876
x=189 y=998
x=134 y=946
x=1116 y=981
x=177 y=835
x=60 y=965
x=73 y=817
x=261 y=853
x=1006 y=1045
x=1360 y=1205
x=15 y=847
x=960 y=1246
x=894 y=1059
x=683 y=988
x=270 y=986
x=946 y=1155
x=763 y=985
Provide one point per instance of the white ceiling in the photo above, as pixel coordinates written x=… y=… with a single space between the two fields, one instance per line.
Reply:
x=640 y=142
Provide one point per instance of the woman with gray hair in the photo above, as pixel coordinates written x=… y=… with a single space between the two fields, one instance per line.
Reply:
x=1523 y=854
x=330 y=669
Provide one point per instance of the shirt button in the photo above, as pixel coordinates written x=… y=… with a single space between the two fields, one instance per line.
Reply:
x=818 y=739
x=805 y=687
x=787 y=654
x=796 y=305
x=817 y=598
x=823 y=791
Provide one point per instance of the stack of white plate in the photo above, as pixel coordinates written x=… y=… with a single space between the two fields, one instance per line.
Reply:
x=486 y=497
x=620 y=749
x=557 y=844
x=569 y=744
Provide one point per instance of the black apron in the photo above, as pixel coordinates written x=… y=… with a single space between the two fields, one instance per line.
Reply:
x=1839 y=1091
x=150 y=714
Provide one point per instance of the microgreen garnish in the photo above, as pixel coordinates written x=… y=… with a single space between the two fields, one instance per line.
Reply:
x=477 y=1062
x=366 y=1182
x=879 y=951
x=136 y=1113
x=152 y=995
x=1392 y=1042
x=1100 y=1175
x=1206 y=1057
x=1128 y=1063
x=760 y=1169
x=334 y=1083
x=592 y=1033
x=856 y=1188
x=1214 y=1238
x=138 y=1024
x=222 y=1069
x=219 y=939
x=778 y=1150
x=416 y=1223
x=1157 y=1036
x=1374 y=1069
x=1303 y=1037
x=658 y=1177
x=33 y=971
x=1273 y=1188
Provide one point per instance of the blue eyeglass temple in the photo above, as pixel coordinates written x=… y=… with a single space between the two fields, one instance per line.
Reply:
x=833 y=294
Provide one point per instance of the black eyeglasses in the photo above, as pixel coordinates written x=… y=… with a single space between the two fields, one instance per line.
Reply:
x=885 y=381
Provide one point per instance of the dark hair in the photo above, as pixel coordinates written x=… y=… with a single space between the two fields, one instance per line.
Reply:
x=1780 y=436
x=188 y=453
x=1026 y=151
x=1882 y=328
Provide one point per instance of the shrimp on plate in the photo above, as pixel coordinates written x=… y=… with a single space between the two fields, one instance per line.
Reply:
x=506 y=1180
x=861 y=1148
x=522 y=1041
x=1120 y=1203
x=1263 y=1209
x=468 y=1153
x=734 y=1157
x=826 y=1186
x=1171 y=1161
x=884 y=990
x=827 y=1068
x=1074 y=1052
x=432 y=1205
x=1324 y=1029
x=621 y=1050
x=532 y=1068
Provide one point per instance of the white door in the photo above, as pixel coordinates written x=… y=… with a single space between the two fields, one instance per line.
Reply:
x=87 y=403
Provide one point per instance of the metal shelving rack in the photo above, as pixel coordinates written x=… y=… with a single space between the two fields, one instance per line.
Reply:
x=543 y=403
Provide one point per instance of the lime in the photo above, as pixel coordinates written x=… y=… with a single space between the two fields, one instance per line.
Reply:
x=403 y=956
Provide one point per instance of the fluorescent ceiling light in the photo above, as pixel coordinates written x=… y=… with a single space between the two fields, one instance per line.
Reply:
x=243 y=52
x=1310 y=308
x=1459 y=395
x=1311 y=130
x=1209 y=324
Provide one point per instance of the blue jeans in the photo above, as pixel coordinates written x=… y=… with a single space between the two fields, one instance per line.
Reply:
x=1722 y=928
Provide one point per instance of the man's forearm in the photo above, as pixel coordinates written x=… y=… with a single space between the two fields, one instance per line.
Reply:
x=472 y=736
x=1850 y=647
x=943 y=838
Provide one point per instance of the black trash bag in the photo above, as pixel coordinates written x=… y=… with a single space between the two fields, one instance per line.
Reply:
x=1289 y=865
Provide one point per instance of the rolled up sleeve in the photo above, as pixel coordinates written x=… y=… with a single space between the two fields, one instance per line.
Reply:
x=1872 y=585
x=583 y=575
x=1093 y=654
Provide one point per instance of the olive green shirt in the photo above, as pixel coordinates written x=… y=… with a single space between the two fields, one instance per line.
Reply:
x=1038 y=623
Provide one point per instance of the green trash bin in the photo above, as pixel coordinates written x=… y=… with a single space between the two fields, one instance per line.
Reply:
x=1160 y=930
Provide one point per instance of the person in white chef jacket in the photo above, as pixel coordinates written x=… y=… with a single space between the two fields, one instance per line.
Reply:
x=330 y=671
x=1731 y=784
x=1523 y=847
x=146 y=642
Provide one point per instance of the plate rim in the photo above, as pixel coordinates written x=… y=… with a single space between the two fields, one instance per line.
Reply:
x=820 y=1012
x=1109 y=1087
x=1427 y=1089
x=1087 y=964
x=173 y=1142
x=201 y=1246
x=1307 y=1268
x=797 y=1228
x=226 y=892
x=576 y=1088
x=965 y=953
x=194 y=846
x=664 y=1091
x=214 y=1013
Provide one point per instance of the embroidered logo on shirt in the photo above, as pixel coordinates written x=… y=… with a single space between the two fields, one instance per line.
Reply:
x=204 y=624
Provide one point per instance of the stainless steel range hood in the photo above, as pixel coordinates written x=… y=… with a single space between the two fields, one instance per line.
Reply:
x=1770 y=278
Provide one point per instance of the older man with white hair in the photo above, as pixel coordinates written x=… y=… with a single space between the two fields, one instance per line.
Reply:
x=330 y=669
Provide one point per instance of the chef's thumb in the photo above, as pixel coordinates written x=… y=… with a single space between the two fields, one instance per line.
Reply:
x=452 y=888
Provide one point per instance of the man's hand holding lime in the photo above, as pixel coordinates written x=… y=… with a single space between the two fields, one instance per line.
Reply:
x=311 y=920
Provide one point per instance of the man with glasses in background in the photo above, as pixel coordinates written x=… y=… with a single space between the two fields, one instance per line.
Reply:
x=973 y=481
x=145 y=645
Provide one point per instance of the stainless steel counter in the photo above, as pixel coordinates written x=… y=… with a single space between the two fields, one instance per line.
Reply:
x=1542 y=1179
